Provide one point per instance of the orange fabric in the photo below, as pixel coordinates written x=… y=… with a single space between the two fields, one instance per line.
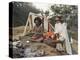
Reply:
x=48 y=34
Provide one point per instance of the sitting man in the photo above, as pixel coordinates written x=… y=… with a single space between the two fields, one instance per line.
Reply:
x=38 y=29
x=61 y=29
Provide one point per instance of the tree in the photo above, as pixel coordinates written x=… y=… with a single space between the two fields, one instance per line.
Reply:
x=21 y=11
x=68 y=12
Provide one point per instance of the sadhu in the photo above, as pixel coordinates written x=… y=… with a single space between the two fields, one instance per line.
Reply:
x=39 y=35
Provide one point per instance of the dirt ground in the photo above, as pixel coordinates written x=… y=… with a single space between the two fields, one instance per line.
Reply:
x=41 y=49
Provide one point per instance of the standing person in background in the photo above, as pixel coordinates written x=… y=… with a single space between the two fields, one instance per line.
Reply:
x=61 y=30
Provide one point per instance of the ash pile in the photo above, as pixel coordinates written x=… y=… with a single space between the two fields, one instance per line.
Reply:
x=24 y=47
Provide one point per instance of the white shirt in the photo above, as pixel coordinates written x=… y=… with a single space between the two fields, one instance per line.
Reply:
x=61 y=28
x=58 y=28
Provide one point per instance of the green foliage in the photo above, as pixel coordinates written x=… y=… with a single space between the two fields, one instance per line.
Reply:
x=47 y=13
x=68 y=12
x=21 y=11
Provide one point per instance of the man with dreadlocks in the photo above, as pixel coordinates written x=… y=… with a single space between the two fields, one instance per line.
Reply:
x=38 y=29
